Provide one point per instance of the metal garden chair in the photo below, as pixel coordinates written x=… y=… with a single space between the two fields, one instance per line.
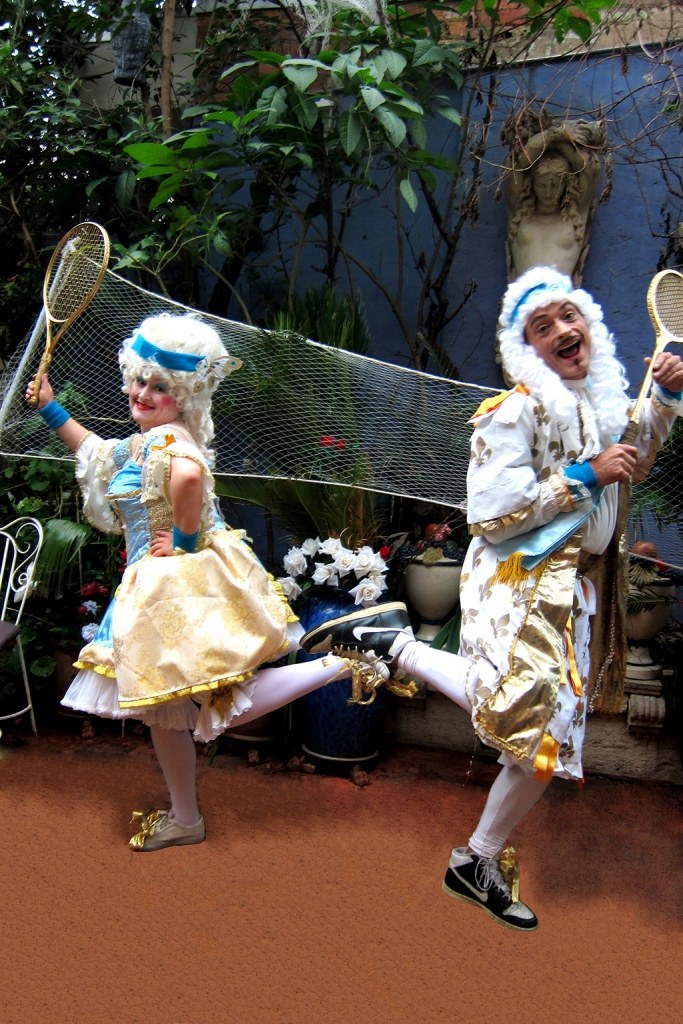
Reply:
x=20 y=544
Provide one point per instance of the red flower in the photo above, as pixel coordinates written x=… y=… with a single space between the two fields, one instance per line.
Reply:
x=90 y=589
x=340 y=444
x=327 y=440
x=384 y=551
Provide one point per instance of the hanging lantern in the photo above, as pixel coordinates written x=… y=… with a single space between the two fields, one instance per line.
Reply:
x=130 y=50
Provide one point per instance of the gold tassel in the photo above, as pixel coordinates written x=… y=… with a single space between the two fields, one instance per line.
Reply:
x=509 y=869
x=511 y=572
x=408 y=689
x=367 y=677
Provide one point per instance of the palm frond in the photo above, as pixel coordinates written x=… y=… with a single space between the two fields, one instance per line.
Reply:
x=63 y=540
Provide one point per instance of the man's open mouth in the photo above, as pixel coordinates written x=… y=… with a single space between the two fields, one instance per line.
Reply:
x=570 y=351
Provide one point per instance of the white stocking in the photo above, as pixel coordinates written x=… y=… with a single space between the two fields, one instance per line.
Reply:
x=510 y=798
x=446 y=672
x=278 y=686
x=177 y=757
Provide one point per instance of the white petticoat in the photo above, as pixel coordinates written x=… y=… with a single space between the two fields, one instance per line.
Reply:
x=97 y=694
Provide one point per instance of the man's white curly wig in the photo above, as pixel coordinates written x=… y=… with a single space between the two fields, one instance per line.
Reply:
x=539 y=287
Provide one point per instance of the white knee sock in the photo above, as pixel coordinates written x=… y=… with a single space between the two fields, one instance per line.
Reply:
x=444 y=671
x=510 y=798
x=177 y=758
x=278 y=686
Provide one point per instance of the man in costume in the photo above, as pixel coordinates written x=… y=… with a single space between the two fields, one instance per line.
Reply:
x=543 y=484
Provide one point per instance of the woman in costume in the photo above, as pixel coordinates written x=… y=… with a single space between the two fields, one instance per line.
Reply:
x=543 y=484
x=196 y=614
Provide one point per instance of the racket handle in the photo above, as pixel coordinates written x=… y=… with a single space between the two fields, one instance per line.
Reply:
x=629 y=435
x=38 y=379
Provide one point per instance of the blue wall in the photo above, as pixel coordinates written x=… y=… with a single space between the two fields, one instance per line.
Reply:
x=627 y=238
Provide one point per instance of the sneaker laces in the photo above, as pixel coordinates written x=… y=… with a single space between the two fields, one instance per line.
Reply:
x=503 y=873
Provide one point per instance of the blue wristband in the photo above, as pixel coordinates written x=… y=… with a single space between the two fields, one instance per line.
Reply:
x=54 y=414
x=583 y=472
x=185 y=541
x=670 y=394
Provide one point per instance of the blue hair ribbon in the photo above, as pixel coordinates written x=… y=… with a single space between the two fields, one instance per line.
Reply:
x=182 y=361
x=522 y=299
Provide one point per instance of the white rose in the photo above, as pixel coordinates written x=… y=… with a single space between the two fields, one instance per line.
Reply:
x=345 y=561
x=88 y=631
x=366 y=593
x=290 y=588
x=378 y=580
x=311 y=547
x=330 y=546
x=365 y=560
x=295 y=562
x=325 y=574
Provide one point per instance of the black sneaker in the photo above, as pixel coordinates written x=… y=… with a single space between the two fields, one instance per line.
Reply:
x=479 y=881
x=383 y=629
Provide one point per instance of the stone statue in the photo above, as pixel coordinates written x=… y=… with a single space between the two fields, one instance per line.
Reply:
x=550 y=186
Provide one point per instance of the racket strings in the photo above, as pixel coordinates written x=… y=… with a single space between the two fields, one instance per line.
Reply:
x=668 y=304
x=75 y=272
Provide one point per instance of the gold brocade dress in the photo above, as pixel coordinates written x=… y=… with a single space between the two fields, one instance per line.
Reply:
x=185 y=634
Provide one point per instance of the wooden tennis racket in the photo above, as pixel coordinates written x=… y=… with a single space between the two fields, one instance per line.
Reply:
x=73 y=275
x=665 y=306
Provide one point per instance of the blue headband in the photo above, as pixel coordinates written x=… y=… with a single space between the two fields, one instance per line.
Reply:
x=525 y=295
x=169 y=360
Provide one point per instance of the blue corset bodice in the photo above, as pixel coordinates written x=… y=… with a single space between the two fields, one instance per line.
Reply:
x=124 y=495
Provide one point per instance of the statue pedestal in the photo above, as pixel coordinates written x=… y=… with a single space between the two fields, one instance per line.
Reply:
x=643 y=684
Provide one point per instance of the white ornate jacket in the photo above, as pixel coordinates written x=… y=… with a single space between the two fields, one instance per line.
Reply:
x=526 y=603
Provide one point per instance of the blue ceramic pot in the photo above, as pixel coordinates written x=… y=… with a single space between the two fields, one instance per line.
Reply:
x=336 y=732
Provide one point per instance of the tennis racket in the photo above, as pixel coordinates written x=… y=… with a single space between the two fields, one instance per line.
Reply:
x=665 y=306
x=73 y=275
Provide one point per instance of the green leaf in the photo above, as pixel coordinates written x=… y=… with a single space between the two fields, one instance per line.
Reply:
x=408 y=192
x=393 y=62
x=124 y=190
x=243 y=65
x=166 y=190
x=199 y=139
x=451 y=114
x=372 y=97
x=350 y=132
x=418 y=133
x=393 y=126
x=301 y=75
x=42 y=667
x=150 y=153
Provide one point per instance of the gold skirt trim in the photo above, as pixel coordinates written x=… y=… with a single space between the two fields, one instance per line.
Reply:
x=189 y=691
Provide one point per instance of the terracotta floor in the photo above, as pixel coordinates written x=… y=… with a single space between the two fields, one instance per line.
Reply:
x=315 y=901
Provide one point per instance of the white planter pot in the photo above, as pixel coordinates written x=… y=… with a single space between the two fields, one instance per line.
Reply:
x=433 y=592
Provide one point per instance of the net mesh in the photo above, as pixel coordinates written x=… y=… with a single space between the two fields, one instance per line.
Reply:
x=296 y=409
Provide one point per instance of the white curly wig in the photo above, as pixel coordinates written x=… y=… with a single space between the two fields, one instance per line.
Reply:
x=192 y=389
x=539 y=287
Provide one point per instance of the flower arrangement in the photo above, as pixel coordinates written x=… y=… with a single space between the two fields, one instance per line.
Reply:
x=328 y=563
x=74 y=623
x=90 y=609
